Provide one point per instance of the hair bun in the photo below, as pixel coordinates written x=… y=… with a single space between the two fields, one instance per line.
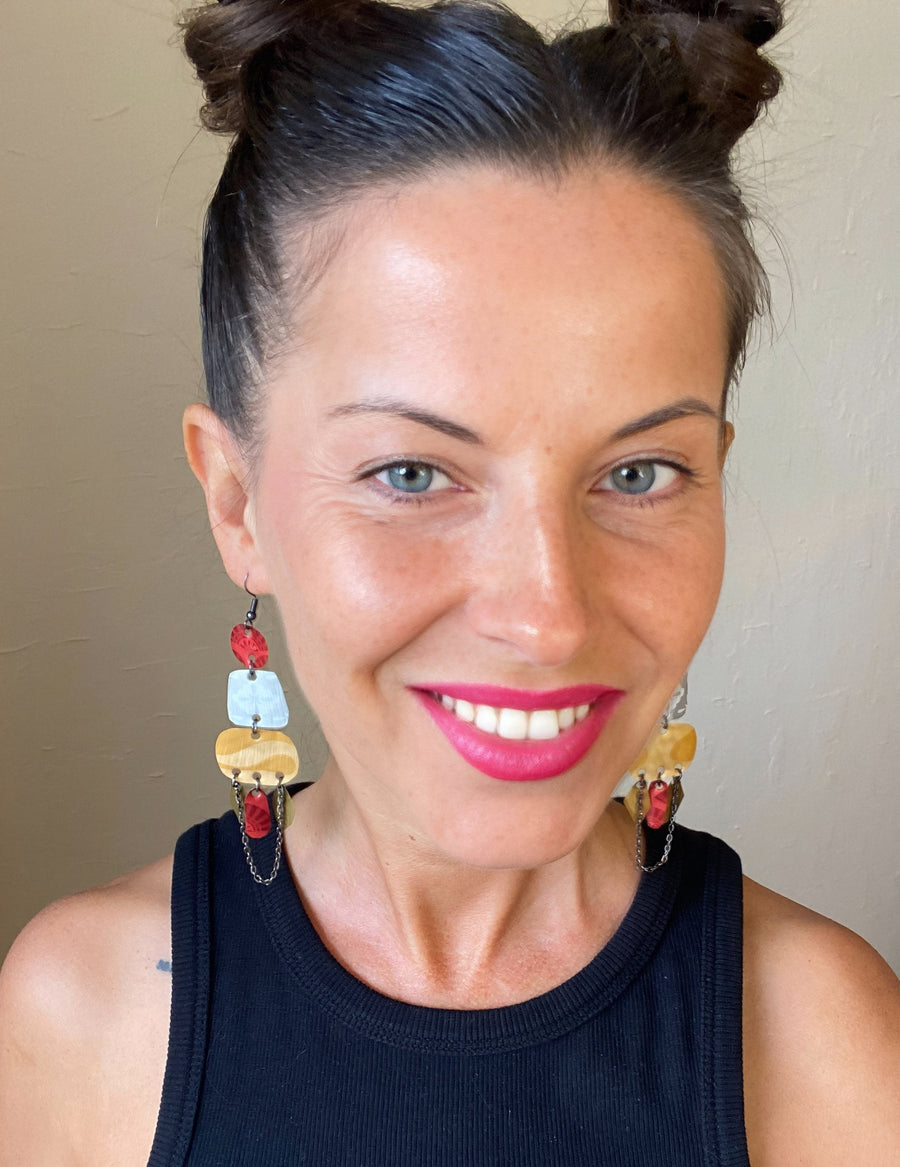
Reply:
x=755 y=21
x=224 y=39
x=716 y=44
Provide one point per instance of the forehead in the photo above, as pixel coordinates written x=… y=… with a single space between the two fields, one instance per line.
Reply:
x=482 y=274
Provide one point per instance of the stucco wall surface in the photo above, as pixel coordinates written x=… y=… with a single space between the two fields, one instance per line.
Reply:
x=113 y=643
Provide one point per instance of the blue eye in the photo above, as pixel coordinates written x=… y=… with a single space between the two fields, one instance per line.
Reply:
x=412 y=477
x=638 y=478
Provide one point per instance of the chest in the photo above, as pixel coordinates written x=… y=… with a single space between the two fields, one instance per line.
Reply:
x=284 y=1057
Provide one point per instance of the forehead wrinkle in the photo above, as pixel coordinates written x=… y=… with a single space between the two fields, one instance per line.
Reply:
x=404 y=299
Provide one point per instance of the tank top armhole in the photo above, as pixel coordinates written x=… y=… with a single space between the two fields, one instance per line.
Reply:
x=188 y=1020
x=722 y=1008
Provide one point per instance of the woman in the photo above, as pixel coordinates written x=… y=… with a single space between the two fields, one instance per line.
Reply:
x=471 y=303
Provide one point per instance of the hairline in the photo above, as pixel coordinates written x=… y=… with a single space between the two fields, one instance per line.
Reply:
x=318 y=235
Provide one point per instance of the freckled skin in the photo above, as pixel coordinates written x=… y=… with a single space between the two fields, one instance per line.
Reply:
x=543 y=318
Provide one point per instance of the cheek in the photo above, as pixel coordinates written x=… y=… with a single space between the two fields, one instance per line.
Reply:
x=353 y=591
x=666 y=587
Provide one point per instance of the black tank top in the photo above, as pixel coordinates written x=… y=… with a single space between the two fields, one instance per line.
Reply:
x=280 y=1057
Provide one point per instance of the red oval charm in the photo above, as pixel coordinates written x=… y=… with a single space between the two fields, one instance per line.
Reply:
x=249 y=646
x=658 y=813
x=257 y=816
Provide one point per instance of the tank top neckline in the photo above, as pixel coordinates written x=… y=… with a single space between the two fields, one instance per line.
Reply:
x=385 y=1019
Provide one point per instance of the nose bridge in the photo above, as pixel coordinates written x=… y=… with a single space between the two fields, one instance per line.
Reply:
x=548 y=547
x=532 y=591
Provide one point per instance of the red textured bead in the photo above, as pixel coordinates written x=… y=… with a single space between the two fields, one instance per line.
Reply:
x=257 y=816
x=247 y=643
x=658 y=813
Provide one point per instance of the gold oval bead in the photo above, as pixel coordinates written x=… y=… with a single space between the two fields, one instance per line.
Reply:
x=270 y=754
x=667 y=749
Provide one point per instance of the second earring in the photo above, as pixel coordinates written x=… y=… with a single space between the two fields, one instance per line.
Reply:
x=666 y=756
x=257 y=758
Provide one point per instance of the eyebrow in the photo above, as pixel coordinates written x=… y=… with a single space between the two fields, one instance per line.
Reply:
x=686 y=407
x=396 y=408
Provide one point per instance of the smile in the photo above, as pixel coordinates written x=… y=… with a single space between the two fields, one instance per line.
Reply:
x=520 y=735
x=515 y=724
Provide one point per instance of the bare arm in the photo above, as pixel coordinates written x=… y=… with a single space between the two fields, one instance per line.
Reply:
x=83 y=1027
x=821 y=1041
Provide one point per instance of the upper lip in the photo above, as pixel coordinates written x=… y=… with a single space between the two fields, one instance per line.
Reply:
x=501 y=697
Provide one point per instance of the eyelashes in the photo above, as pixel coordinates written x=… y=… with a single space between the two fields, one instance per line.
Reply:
x=637 y=481
x=412 y=478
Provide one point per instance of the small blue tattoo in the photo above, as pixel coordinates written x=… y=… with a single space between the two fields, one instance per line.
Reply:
x=164 y=965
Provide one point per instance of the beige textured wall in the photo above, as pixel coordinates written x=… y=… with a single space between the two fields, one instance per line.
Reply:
x=113 y=642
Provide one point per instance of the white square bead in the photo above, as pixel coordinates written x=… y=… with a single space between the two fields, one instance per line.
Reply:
x=262 y=696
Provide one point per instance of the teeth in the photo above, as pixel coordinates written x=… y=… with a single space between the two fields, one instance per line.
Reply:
x=513 y=724
x=464 y=710
x=486 y=718
x=544 y=724
x=516 y=724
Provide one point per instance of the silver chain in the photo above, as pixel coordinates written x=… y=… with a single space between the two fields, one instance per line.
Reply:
x=638 y=834
x=279 y=837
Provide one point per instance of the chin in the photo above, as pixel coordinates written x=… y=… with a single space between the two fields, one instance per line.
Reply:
x=520 y=839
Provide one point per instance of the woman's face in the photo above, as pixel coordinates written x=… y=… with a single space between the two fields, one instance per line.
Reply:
x=493 y=459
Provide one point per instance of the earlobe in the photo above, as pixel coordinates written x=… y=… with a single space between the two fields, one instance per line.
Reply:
x=725 y=440
x=221 y=470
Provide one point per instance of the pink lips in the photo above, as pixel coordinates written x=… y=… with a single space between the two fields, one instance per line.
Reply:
x=521 y=761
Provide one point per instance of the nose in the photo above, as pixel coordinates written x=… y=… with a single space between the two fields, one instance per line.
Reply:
x=530 y=586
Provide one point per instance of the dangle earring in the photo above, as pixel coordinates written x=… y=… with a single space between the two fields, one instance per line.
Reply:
x=255 y=756
x=668 y=754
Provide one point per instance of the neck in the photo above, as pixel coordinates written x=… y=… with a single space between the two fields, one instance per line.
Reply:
x=421 y=927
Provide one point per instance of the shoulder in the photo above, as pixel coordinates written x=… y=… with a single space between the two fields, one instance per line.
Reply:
x=821 y=1039
x=84 y=1007
x=90 y=947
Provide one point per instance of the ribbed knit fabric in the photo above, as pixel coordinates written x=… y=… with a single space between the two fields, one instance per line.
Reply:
x=280 y=1057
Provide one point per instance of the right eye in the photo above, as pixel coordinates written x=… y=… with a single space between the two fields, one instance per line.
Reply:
x=413 y=478
x=641 y=478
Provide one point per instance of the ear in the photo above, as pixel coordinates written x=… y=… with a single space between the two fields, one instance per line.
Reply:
x=222 y=471
x=725 y=440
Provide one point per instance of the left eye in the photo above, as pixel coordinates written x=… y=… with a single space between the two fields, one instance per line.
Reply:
x=638 y=478
x=413 y=477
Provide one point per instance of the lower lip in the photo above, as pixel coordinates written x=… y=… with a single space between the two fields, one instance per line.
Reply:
x=521 y=761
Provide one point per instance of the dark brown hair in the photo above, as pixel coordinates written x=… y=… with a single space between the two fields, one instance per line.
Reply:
x=326 y=99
